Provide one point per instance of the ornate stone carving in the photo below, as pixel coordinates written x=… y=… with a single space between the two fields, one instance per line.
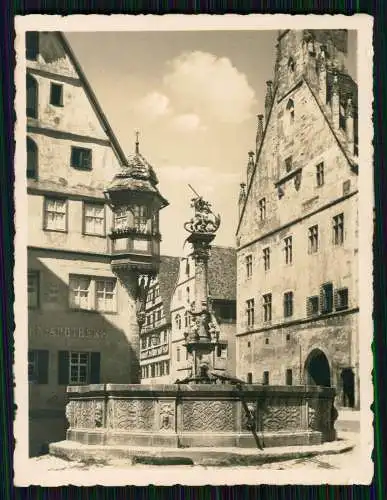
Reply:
x=213 y=416
x=167 y=413
x=84 y=414
x=281 y=416
x=249 y=418
x=130 y=414
x=312 y=418
x=204 y=220
x=98 y=414
x=70 y=413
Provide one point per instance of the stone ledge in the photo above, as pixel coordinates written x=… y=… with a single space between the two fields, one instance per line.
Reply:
x=226 y=457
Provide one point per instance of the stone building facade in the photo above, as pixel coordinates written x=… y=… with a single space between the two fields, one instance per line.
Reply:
x=155 y=352
x=82 y=315
x=222 y=293
x=297 y=237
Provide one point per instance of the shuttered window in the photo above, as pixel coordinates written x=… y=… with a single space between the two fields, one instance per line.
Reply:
x=326 y=298
x=38 y=366
x=78 y=367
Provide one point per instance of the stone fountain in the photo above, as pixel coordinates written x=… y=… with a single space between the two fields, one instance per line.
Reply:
x=204 y=412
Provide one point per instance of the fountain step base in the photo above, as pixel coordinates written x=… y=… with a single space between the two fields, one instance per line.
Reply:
x=232 y=456
x=195 y=439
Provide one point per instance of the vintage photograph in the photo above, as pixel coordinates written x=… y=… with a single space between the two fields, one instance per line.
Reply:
x=193 y=273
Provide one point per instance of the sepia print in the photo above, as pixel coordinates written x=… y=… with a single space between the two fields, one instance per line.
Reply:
x=193 y=230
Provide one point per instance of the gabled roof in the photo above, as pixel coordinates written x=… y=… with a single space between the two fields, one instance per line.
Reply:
x=93 y=99
x=346 y=83
x=222 y=273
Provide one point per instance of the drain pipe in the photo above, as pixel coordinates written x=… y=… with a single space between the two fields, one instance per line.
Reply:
x=251 y=420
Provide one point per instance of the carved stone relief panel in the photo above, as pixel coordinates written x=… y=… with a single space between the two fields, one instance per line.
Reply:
x=282 y=415
x=85 y=414
x=131 y=414
x=208 y=416
x=167 y=416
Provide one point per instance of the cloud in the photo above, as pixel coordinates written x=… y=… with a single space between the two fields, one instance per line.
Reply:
x=154 y=105
x=210 y=87
x=189 y=122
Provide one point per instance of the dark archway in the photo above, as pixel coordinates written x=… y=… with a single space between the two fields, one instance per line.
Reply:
x=317 y=371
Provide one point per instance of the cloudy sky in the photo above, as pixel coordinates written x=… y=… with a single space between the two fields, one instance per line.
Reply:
x=194 y=97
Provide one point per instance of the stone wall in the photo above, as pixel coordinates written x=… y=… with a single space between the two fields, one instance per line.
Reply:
x=200 y=415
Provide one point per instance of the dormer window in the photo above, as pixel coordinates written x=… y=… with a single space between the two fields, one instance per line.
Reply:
x=290 y=111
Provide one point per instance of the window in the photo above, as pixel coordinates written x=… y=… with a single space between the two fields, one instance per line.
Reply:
x=166 y=367
x=141 y=217
x=106 y=295
x=288 y=304
x=32 y=45
x=326 y=298
x=288 y=163
x=312 y=306
x=289 y=377
x=249 y=266
x=266 y=340
x=341 y=299
x=320 y=174
x=267 y=307
x=143 y=343
x=187 y=269
x=55 y=214
x=94 y=219
x=56 y=94
x=153 y=370
x=262 y=209
x=249 y=378
x=313 y=239
x=187 y=294
x=121 y=218
x=81 y=158
x=33 y=290
x=250 y=312
x=161 y=369
x=291 y=65
x=290 y=111
x=265 y=378
x=148 y=319
x=186 y=319
x=97 y=294
x=38 y=366
x=288 y=250
x=221 y=351
x=78 y=367
x=80 y=296
x=338 y=229
x=266 y=258
x=178 y=354
x=178 y=321
x=159 y=315
x=32 y=159
x=32 y=97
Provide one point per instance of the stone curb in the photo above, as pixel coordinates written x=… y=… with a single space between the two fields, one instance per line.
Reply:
x=224 y=457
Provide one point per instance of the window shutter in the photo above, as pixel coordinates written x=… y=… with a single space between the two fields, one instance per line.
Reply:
x=336 y=300
x=322 y=300
x=308 y=307
x=95 y=362
x=329 y=298
x=63 y=367
x=42 y=367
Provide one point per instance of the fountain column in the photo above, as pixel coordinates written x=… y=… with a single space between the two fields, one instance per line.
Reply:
x=202 y=334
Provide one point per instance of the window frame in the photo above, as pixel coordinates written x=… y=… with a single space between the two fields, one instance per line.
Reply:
x=250 y=312
x=32 y=97
x=35 y=152
x=85 y=204
x=79 y=149
x=249 y=265
x=288 y=250
x=48 y=199
x=320 y=174
x=54 y=88
x=92 y=291
x=267 y=304
x=338 y=229
x=339 y=306
x=262 y=209
x=266 y=258
x=288 y=304
x=313 y=239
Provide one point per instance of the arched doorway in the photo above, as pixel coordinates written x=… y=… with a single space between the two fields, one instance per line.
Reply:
x=317 y=371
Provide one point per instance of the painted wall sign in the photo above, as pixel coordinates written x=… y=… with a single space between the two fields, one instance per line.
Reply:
x=62 y=331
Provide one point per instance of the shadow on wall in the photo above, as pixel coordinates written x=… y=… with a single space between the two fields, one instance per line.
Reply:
x=101 y=343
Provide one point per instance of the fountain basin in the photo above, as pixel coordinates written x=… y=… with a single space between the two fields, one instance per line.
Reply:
x=200 y=416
